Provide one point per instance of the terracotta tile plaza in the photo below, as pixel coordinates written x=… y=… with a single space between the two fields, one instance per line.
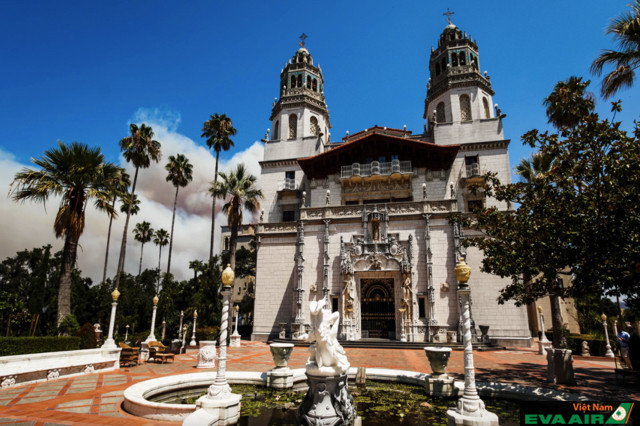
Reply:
x=97 y=398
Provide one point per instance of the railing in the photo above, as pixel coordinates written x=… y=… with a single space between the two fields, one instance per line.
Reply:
x=472 y=170
x=288 y=184
x=376 y=168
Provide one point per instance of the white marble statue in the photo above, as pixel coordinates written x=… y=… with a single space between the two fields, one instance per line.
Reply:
x=327 y=355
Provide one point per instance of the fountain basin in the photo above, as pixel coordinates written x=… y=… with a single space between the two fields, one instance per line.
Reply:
x=144 y=399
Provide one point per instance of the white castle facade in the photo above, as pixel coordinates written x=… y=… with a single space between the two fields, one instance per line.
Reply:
x=364 y=223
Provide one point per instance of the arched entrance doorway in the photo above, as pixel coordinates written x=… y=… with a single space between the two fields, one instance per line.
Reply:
x=377 y=308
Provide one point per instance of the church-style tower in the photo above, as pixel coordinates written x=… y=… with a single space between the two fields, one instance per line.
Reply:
x=299 y=128
x=458 y=94
x=300 y=114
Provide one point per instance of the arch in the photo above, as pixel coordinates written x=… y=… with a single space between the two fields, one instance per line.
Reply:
x=299 y=80
x=276 y=130
x=462 y=58
x=465 y=108
x=487 y=111
x=308 y=82
x=474 y=62
x=293 y=81
x=454 y=59
x=293 y=126
x=440 y=113
x=315 y=85
x=313 y=125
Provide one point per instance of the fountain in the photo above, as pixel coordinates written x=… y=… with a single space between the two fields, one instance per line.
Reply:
x=328 y=401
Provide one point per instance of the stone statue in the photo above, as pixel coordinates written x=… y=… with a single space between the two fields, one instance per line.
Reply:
x=349 y=296
x=585 y=348
x=327 y=355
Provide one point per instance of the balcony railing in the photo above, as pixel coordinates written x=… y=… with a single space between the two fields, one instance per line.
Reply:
x=376 y=168
x=472 y=169
x=287 y=184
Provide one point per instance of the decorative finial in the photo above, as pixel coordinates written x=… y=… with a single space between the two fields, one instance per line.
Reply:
x=448 y=13
x=302 y=38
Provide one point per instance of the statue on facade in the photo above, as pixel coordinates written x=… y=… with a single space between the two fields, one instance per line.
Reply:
x=327 y=355
x=349 y=296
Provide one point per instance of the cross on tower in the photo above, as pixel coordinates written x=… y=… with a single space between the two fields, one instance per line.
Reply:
x=302 y=37
x=448 y=13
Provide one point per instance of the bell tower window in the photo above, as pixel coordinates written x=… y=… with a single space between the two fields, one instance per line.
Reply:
x=315 y=85
x=293 y=81
x=454 y=59
x=313 y=125
x=440 y=115
x=293 y=126
x=437 y=69
x=465 y=108
x=308 y=82
x=487 y=111
x=462 y=58
x=299 y=80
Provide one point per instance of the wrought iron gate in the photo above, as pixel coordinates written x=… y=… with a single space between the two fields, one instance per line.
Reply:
x=378 y=317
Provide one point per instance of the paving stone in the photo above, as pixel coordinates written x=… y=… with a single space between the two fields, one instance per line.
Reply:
x=84 y=410
x=76 y=403
x=112 y=399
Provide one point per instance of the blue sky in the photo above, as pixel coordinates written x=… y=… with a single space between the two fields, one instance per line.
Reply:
x=83 y=70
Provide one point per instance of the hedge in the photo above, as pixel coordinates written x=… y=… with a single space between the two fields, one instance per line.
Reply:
x=36 y=345
x=597 y=345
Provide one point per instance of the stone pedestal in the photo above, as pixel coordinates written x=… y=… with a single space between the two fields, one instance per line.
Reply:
x=207 y=354
x=234 y=340
x=439 y=384
x=144 y=352
x=560 y=367
x=328 y=402
x=543 y=346
x=216 y=410
x=280 y=377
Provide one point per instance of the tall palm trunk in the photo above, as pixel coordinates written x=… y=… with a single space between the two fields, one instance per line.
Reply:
x=106 y=254
x=141 y=251
x=68 y=262
x=213 y=208
x=173 y=220
x=123 y=246
x=159 y=259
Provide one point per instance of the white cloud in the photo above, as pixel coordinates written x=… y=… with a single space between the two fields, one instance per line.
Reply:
x=27 y=225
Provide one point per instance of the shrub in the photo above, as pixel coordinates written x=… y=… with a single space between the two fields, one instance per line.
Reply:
x=36 y=345
x=205 y=333
x=87 y=336
x=68 y=326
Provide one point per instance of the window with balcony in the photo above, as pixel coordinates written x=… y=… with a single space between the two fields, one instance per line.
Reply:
x=289 y=180
x=472 y=167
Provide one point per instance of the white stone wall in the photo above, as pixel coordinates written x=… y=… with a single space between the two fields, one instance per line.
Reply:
x=271 y=180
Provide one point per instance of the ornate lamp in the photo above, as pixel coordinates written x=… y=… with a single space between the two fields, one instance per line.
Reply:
x=152 y=333
x=193 y=334
x=110 y=343
x=543 y=337
x=609 y=352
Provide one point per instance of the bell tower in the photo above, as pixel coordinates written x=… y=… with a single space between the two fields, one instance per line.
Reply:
x=300 y=118
x=458 y=94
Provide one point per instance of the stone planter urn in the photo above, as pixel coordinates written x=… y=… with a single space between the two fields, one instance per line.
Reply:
x=438 y=359
x=281 y=353
x=207 y=354
x=484 y=338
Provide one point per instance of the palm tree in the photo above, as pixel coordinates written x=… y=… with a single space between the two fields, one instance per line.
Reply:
x=139 y=149
x=626 y=32
x=534 y=169
x=217 y=130
x=569 y=103
x=197 y=266
x=180 y=174
x=238 y=187
x=161 y=239
x=78 y=174
x=125 y=200
x=142 y=233
x=118 y=188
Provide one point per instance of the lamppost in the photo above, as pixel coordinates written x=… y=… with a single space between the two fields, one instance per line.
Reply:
x=403 y=336
x=126 y=334
x=543 y=337
x=235 y=337
x=180 y=328
x=164 y=329
x=219 y=405
x=608 y=353
x=110 y=343
x=152 y=333
x=237 y=308
x=193 y=335
x=184 y=338
x=470 y=408
x=543 y=343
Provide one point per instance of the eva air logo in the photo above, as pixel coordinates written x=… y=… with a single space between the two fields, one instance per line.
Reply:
x=621 y=415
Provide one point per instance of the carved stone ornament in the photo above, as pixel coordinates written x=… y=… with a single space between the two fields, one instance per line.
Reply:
x=8 y=381
x=89 y=369
x=444 y=287
x=53 y=374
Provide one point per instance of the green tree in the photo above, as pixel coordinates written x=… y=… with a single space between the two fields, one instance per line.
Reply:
x=78 y=174
x=566 y=218
x=180 y=174
x=118 y=188
x=218 y=131
x=139 y=149
x=142 y=233
x=238 y=188
x=626 y=32
x=161 y=239
x=569 y=103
